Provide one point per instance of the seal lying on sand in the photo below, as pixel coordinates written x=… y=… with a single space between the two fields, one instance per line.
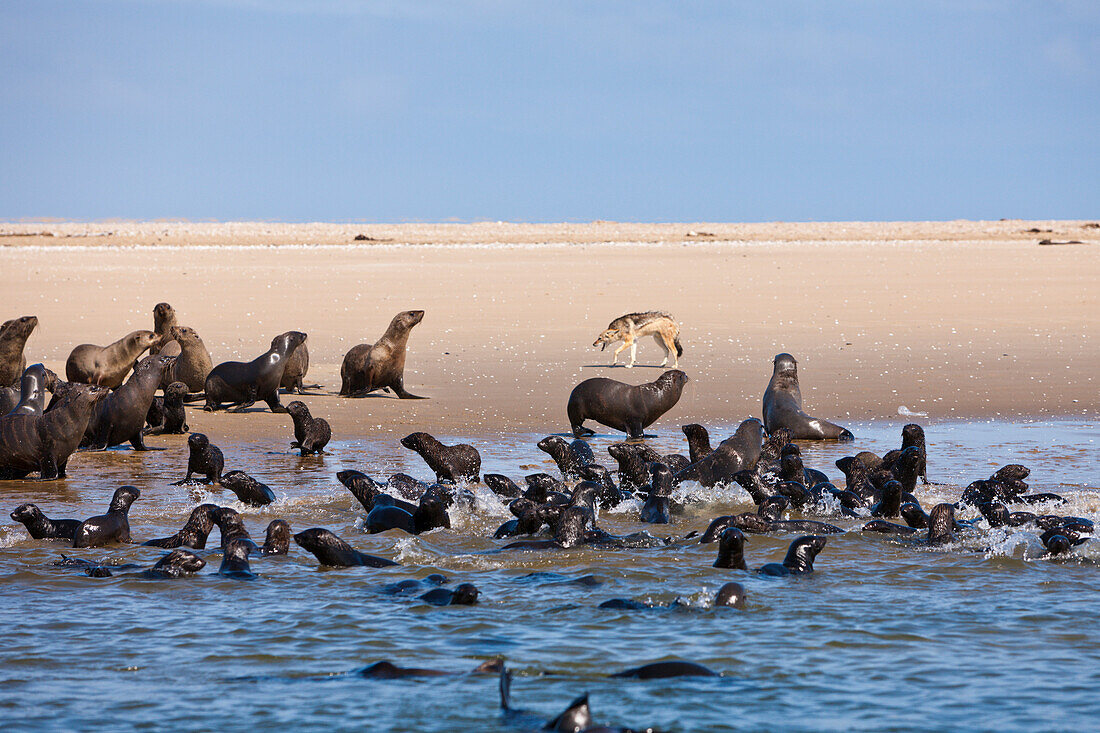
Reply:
x=783 y=406
x=626 y=407
x=242 y=383
x=381 y=365
x=108 y=365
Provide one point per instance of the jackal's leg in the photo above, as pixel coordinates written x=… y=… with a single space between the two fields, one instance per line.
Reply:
x=615 y=356
x=660 y=339
x=633 y=353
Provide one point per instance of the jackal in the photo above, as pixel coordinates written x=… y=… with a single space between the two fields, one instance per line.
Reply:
x=633 y=326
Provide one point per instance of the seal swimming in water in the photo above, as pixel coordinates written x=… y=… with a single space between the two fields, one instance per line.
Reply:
x=114 y=526
x=194 y=532
x=33 y=385
x=626 y=407
x=235 y=560
x=799 y=559
x=204 y=458
x=13 y=339
x=570 y=457
x=731 y=550
x=121 y=417
x=783 y=406
x=655 y=510
x=45 y=442
x=332 y=551
x=167 y=415
x=193 y=365
x=666 y=670
x=248 y=490
x=463 y=595
x=381 y=365
x=453 y=463
x=108 y=365
x=739 y=452
x=277 y=538
x=311 y=434
x=731 y=594
x=698 y=441
x=42 y=527
x=243 y=383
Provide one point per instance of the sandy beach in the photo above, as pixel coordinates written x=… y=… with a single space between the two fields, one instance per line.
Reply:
x=945 y=318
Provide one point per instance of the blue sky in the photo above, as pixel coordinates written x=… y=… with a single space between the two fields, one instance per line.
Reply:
x=300 y=110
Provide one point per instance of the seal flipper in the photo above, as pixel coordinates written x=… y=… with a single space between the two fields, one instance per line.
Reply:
x=399 y=390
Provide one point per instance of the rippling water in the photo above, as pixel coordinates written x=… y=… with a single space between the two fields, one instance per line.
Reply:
x=886 y=635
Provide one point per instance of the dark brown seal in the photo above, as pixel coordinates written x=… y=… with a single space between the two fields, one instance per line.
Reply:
x=204 y=458
x=164 y=318
x=381 y=365
x=244 y=383
x=108 y=365
x=193 y=365
x=311 y=434
x=114 y=526
x=739 y=452
x=194 y=531
x=277 y=538
x=121 y=417
x=297 y=364
x=248 y=490
x=33 y=385
x=13 y=337
x=783 y=406
x=42 y=527
x=44 y=442
x=332 y=551
x=450 y=462
x=167 y=414
x=622 y=406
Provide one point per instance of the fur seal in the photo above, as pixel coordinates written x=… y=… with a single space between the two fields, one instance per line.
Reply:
x=42 y=527
x=33 y=385
x=164 y=318
x=452 y=463
x=277 y=538
x=698 y=441
x=193 y=365
x=13 y=338
x=463 y=595
x=783 y=406
x=44 y=442
x=204 y=458
x=368 y=367
x=332 y=551
x=739 y=452
x=108 y=365
x=175 y=564
x=235 y=560
x=941 y=524
x=297 y=364
x=194 y=531
x=242 y=383
x=231 y=525
x=731 y=594
x=389 y=671
x=311 y=434
x=731 y=550
x=569 y=457
x=167 y=415
x=114 y=526
x=502 y=486
x=655 y=510
x=913 y=435
x=626 y=407
x=799 y=559
x=666 y=670
x=121 y=417
x=889 y=505
x=250 y=491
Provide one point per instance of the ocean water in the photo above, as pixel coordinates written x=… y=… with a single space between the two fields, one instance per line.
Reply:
x=986 y=633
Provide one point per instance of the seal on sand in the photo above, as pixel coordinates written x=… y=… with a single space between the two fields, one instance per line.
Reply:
x=333 y=551
x=297 y=364
x=44 y=442
x=193 y=364
x=167 y=415
x=34 y=383
x=121 y=417
x=108 y=365
x=42 y=527
x=243 y=383
x=452 y=463
x=164 y=318
x=381 y=365
x=114 y=526
x=622 y=406
x=783 y=406
x=13 y=337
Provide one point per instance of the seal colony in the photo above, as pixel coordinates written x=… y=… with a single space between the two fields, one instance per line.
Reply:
x=551 y=514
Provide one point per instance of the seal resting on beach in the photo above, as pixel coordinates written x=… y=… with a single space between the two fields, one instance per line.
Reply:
x=242 y=383
x=380 y=365
x=44 y=442
x=121 y=417
x=193 y=365
x=30 y=398
x=622 y=406
x=164 y=318
x=13 y=338
x=297 y=364
x=783 y=406
x=452 y=463
x=108 y=365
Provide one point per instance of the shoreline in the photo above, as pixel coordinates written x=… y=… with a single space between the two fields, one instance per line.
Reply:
x=975 y=328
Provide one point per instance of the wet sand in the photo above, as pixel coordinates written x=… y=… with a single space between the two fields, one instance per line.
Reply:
x=954 y=319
